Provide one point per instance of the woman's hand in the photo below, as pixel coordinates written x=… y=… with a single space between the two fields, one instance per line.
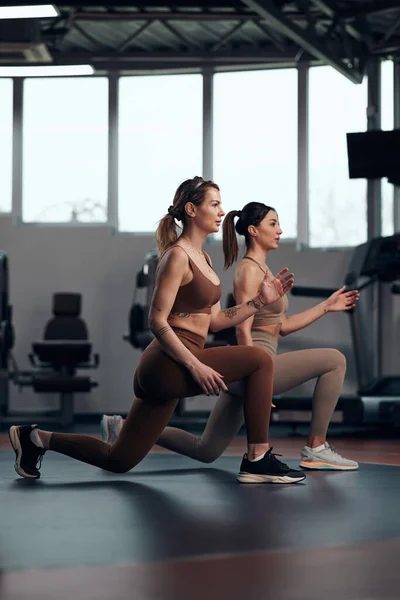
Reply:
x=273 y=288
x=210 y=381
x=342 y=300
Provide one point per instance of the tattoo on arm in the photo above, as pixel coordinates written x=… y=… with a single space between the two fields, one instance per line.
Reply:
x=230 y=313
x=181 y=315
x=254 y=304
x=153 y=305
x=163 y=330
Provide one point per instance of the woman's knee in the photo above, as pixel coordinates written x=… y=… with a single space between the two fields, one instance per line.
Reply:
x=120 y=464
x=115 y=465
x=236 y=390
x=207 y=455
x=261 y=359
x=203 y=451
x=337 y=359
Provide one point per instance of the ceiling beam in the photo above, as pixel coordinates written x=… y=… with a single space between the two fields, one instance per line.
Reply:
x=129 y=40
x=271 y=35
x=392 y=29
x=173 y=16
x=306 y=39
x=189 y=42
x=227 y=36
x=372 y=8
x=328 y=9
x=189 y=58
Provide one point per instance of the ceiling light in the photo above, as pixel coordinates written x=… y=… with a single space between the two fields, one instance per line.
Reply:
x=47 y=71
x=28 y=12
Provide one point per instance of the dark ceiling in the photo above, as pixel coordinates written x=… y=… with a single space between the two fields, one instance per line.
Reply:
x=146 y=35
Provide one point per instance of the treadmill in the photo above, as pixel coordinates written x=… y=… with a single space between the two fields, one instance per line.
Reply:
x=374 y=270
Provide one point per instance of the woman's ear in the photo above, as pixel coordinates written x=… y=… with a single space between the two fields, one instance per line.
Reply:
x=252 y=231
x=190 y=209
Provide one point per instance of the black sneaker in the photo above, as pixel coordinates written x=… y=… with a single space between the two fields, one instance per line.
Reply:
x=268 y=470
x=27 y=454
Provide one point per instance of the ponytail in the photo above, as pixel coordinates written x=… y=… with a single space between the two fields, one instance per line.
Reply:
x=166 y=233
x=251 y=214
x=229 y=240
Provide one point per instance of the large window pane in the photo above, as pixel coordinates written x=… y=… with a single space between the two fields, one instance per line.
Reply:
x=387 y=124
x=6 y=111
x=337 y=204
x=160 y=144
x=65 y=150
x=255 y=141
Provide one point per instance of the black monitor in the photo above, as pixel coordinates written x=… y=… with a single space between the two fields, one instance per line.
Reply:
x=374 y=154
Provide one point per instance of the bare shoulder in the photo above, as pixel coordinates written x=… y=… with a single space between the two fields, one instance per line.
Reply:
x=247 y=280
x=247 y=270
x=173 y=260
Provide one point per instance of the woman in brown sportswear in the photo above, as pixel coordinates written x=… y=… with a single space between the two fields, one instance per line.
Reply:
x=259 y=225
x=184 y=307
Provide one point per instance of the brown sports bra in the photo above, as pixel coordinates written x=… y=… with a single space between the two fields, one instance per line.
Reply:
x=197 y=296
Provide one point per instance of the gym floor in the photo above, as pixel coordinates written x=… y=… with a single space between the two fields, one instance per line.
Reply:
x=176 y=529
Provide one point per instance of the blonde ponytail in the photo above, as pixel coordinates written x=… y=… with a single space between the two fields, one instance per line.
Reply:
x=166 y=234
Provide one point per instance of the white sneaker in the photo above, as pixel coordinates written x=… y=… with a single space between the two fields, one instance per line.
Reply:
x=325 y=457
x=111 y=426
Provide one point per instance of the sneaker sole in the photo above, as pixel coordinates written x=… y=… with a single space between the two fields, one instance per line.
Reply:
x=252 y=478
x=13 y=434
x=320 y=466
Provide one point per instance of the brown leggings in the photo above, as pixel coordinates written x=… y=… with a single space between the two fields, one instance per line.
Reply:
x=159 y=383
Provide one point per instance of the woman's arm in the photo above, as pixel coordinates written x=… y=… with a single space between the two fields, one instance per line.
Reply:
x=339 y=301
x=303 y=319
x=230 y=317
x=272 y=288
x=246 y=284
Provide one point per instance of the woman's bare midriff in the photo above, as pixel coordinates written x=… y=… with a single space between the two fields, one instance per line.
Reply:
x=272 y=329
x=198 y=323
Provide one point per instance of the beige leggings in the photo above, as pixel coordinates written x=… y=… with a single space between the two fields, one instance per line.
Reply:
x=326 y=365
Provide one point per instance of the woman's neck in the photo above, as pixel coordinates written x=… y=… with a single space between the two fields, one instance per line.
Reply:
x=195 y=238
x=258 y=254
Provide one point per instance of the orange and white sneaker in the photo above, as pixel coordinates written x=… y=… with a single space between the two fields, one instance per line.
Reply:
x=325 y=457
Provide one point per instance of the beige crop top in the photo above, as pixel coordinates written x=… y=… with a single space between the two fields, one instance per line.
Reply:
x=271 y=314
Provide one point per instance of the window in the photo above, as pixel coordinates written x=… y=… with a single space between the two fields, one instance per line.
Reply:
x=6 y=127
x=255 y=141
x=65 y=150
x=160 y=144
x=387 y=122
x=337 y=204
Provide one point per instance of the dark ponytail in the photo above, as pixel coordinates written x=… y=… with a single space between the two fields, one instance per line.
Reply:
x=251 y=214
x=229 y=240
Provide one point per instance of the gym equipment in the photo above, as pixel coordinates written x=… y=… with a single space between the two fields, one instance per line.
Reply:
x=56 y=359
x=373 y=270
x=139 y=334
